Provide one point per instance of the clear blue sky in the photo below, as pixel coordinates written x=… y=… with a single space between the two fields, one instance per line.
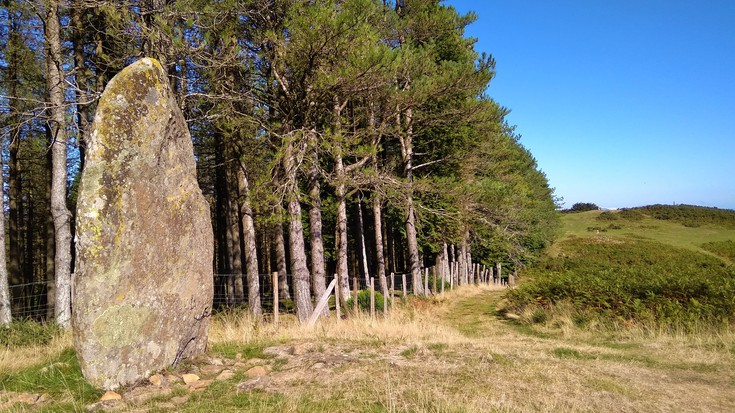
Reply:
x=622 y=103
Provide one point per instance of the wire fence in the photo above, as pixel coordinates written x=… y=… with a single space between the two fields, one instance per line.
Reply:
x=34 y=301
x=31 y=301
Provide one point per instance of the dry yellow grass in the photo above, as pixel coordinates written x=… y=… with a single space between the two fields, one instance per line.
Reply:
x=14 y=359
x=453 y=354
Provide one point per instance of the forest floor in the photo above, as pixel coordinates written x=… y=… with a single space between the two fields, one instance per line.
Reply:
x=451 y=353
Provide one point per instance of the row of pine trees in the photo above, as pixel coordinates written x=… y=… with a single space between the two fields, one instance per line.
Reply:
x=346 y=137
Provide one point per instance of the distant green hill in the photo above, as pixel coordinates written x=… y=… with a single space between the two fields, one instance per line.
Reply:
x=655 y=266
x=690 y=215
x=701 y=229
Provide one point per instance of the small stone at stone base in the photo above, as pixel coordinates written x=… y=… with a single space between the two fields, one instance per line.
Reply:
x=26 y=398
x=299 y=349
x=257 y=371
x=277 y=351
x=110 y=395
x=319 y=365
x=211 y=370
x=189 y=378
x=106 y=406
x=141 y=395
x=256 y=383
x=156 y=380
x=225 y=375
x=199 y=385
x=172 y=379
x=44 y=398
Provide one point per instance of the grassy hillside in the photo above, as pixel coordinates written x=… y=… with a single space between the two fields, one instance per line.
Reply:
x=638 y=223
x=657 y=267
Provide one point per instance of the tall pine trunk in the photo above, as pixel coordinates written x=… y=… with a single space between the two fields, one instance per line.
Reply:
x=251 y=253
x=379 y=252
x=299 y=269
x=61 y=215
x=233 y=235
x=14 y=179
x=340 y=193
x=318 y=273
x=283 y=291
x=5 y=311
x=411 y=237
x=341 y=230
x=221 y=205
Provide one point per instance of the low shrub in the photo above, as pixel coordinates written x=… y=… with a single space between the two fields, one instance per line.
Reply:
x=607 y=216
x=725 y=249
x=641 y=282
x=363 y=301
x=631 y=214
x=691 y=215
x=438 y=284
x=582 y=207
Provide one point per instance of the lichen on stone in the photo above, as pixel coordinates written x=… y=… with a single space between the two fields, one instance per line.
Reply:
x=143 y=232
x=120 y=325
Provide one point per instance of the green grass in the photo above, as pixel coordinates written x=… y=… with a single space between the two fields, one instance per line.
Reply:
x=247 y=351
x=60 y=377
x=568 y=353
x=410 y=352
x=26 y=333
x=668 y=232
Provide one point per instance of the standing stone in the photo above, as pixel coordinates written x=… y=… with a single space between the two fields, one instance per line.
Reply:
x=143 y=283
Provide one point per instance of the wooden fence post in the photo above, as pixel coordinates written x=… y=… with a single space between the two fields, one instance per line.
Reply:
x=355 y=308
x=392 y=291
x=433 y=290
x=372 y=298
x=444 y=275
x=336 y=299
x=404 y=285
x=275 y=298
x=321 y=304
x=426 y=282
x=451 y=276
x=385 y=305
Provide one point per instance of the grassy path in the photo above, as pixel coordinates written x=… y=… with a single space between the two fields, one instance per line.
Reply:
x=451 y=354
x=563 y=369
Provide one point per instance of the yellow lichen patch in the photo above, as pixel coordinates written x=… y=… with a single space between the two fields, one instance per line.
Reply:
x=120 y=325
